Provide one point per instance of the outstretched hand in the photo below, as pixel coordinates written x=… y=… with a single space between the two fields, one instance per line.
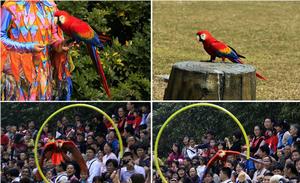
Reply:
x=66 y=46
x=38 y=47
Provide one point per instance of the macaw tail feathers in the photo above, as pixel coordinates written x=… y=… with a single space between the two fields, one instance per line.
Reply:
x=57 y=158
x=260 y=76
x=238 y=61
x=257 y=73
x=96 y=59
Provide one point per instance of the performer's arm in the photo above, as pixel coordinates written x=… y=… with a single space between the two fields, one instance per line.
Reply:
x=58 y=43
x=57 y=38
x=6 y=18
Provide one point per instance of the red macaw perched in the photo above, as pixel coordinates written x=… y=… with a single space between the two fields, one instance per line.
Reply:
x=57 y=152
x=81 y=31
x=216 y=48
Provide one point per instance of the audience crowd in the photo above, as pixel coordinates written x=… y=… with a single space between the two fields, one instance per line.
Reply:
x=275 y=146
x=96 y=140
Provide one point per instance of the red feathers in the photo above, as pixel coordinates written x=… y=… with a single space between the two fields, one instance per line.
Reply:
x=221 y=155
x=81 y=31
x=56 y=151
x=57 y=158
x=74 y=26
x=217 y=48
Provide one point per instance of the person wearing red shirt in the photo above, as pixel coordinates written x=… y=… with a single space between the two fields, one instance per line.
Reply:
x=175 y=154
x=137 y=120
x=257 y=141
x=213 y=148
x=4 y=138
x=130 y=119
x=272 y=140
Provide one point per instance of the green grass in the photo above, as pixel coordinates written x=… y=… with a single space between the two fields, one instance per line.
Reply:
x=267 y=33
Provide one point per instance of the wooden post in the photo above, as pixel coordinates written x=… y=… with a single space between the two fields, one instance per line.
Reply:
x=195 y=80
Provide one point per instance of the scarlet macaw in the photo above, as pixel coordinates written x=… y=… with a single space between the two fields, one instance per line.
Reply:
x=222 y=155
x=216 y=48
x=57 y=152
x=81 y=31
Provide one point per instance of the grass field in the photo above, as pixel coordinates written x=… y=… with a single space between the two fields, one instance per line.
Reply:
x=267 y=33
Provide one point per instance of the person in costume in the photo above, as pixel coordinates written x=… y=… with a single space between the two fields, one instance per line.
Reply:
x=33 y=52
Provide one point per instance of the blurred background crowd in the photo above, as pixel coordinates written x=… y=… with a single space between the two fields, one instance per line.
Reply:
x=274 y=145
x=96 y=140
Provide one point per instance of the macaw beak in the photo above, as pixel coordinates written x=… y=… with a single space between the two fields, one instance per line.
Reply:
x=198 y=38
x=55 y=20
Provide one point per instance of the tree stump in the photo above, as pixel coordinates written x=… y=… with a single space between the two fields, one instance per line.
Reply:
x=192 y=80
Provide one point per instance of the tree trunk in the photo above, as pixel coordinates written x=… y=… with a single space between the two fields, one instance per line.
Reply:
x=211 y=81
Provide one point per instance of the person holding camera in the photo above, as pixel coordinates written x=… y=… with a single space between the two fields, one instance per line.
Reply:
x=129 y=168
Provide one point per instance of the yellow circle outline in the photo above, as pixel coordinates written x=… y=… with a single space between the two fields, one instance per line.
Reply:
x=156 y=161
x=58 y=111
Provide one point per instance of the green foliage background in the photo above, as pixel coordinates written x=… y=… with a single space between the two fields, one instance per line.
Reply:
x=196 y=121
x=126 y=62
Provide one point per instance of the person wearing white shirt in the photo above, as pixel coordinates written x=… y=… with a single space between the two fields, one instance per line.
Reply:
x=260 y=171
x=225 y=175
x=108 y=155
x=61 y=176
x=93 y=164
x=192 y=150
x=129 y=168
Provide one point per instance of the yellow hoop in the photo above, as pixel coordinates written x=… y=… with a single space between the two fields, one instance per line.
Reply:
x=156 y=161
x=58 y=111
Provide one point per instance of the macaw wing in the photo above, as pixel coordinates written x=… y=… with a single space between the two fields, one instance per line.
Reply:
x=224 y=51
x=46 y=154
x=229 y=152
x=220 y=155
x=209 y=164
x=241 y=56
x=56 y=155
x=212 y=160
x=48 y=151
x=71 y=147
x=81 y=31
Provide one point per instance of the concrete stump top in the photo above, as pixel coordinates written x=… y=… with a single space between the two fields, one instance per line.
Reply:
x=213 y=67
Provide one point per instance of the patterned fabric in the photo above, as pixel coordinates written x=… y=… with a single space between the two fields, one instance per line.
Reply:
x=28 y=75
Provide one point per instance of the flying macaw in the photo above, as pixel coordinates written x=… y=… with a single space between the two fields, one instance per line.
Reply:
x=216 y=48
x=222 y=155
x=81 y=31
x=57 y=152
